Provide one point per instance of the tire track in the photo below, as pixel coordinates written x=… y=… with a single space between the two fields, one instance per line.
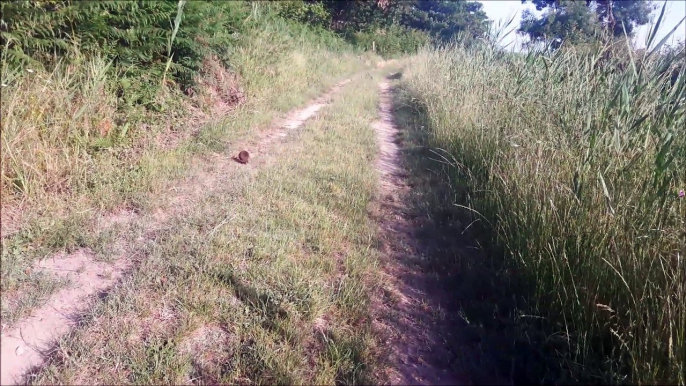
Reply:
x=404 y=308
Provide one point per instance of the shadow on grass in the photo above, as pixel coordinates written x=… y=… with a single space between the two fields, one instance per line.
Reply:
x=269 y=313
x=261 y=302
x=489 y=340
x=344 y=353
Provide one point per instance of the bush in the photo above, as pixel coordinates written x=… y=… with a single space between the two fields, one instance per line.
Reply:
x=135 y=35
x=391 y=41
x=314 y=14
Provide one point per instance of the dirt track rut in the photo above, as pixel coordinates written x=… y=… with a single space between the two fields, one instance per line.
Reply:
x=415 y=351
x=404 y=310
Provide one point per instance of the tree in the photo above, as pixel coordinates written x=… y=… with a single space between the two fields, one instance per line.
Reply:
x=564 y=21
x=358 y=15
x=441 y=19
x=581 y=20
x=444 y=19
x=630 y=13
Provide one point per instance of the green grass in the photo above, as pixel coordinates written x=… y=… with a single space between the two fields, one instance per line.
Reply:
x=277 y=263
x=566 y=167
x=71 y=152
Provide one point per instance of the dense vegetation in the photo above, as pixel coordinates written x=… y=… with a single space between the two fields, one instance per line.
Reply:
x=573 y=163
x=393 y=27
x=144 y=40
x=584 y=21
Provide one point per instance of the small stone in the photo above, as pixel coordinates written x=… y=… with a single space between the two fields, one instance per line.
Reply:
x=19 y=351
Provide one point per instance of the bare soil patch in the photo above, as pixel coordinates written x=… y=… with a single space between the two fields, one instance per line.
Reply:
x=22 y=346
x=408 y=314
x=209 y=349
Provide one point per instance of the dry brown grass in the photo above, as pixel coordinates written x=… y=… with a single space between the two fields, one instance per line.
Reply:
x=218 y=90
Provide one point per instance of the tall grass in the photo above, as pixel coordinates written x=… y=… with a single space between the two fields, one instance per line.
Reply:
x=573 y=161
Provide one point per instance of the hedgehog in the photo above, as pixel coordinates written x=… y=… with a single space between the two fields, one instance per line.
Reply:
x=243 y=157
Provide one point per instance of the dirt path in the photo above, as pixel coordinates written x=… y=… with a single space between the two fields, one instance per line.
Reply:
x=23 y=346
x=406 y=312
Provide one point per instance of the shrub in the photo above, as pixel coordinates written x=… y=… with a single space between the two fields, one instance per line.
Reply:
x=314 y=14
x=393 y=40
x=135 y=35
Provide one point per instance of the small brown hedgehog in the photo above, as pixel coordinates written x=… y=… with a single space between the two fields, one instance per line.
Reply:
x=395 y=75
x=243 y=157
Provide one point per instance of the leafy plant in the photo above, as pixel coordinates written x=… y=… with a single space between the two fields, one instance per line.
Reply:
x=393 y=40
x=145 y=39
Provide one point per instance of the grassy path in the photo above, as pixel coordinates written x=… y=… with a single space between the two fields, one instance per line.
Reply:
x=86 y=272
x=409 y=309
x=262 y=278
x=290 y=269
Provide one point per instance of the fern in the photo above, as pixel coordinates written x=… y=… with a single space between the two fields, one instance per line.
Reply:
x=134 y=35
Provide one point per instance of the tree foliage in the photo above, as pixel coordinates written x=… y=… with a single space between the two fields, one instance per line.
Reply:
x=393 y=25
x=583 y=20
x=444 y=19
x=568 y=21
x=392 y=40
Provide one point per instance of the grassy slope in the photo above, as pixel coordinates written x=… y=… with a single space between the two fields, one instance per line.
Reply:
x=64 y=184
x=283 y=284
x=585 y=292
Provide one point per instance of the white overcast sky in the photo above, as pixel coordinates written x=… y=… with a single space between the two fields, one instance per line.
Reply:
x=500 y=11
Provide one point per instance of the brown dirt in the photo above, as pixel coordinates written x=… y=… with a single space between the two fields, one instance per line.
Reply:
x=11 y=217
x=219 y=89
x=406 y=313
x=24 y=344
x=208 y=348
x=21 y=346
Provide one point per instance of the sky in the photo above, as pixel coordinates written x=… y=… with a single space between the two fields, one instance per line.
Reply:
x=500 y=11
